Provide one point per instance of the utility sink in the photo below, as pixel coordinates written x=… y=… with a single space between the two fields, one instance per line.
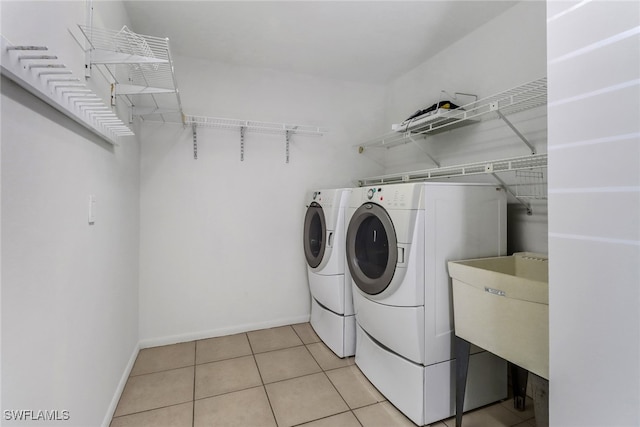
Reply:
x=502 y=305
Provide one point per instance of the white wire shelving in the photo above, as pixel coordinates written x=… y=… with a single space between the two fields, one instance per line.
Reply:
x=244 y=126
x=523 y=177
x=151 y=87
x=41 y=73
x=527 y=176
x=521 y=98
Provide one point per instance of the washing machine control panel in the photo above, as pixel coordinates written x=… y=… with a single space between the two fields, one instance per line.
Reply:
x=375 y=194
x=401 y=196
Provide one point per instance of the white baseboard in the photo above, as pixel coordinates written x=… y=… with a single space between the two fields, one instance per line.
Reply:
x=118 y=392
x=236 y=329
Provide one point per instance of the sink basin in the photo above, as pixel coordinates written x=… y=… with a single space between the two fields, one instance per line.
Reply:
x=502 y=305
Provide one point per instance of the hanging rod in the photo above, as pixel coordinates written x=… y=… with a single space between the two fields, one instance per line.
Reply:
x=243 y=126
x=41 y=77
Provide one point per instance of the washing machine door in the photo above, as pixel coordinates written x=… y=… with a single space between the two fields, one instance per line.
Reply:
x=315 y=230
x=372 y=248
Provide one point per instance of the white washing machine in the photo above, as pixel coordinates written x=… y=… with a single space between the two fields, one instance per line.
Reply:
x=399 y=240
x=332 y=315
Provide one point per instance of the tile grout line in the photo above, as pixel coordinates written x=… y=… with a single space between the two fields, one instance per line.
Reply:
x=193 y=402
x=323 y=418
x=224 y=360
x=160 y=371
x=275 y=420
x=352 y=410
x=279 y=349
x=297 y=334
x=260 y=374
x=341 y=397
x=313 y=358
x=263 y=384
x=150 y=410
x=324 y=371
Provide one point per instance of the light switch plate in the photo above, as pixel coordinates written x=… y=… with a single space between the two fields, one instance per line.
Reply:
x=92 y=209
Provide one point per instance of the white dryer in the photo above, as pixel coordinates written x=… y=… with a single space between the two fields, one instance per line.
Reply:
x=332 y=315
x=399 y=240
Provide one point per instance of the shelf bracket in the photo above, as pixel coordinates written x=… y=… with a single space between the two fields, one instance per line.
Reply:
x=508 y=189
x=87 y=45
x=242 y=129
x=516 y=131
x=195 y=141
x=287 y=137
x=422 y=149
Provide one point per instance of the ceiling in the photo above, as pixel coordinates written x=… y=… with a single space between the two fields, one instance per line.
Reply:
x=367 y=41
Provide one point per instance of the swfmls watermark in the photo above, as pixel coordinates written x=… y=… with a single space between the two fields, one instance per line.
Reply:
x=36 y=415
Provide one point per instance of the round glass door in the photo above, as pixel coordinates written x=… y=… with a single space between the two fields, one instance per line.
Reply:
x=314 y=235
x=372 y=248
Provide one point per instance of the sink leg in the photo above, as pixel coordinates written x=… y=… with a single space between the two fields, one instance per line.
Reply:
x=540 y=390
x=463 y=348
x=519 y=386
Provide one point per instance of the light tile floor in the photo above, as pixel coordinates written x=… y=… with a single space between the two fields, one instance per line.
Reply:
x=273 y=377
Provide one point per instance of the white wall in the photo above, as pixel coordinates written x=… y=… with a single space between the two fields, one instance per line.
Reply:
x=196 y=280
x=221 y=239
x=504 y=53
x=69 y=289
x=594 y=206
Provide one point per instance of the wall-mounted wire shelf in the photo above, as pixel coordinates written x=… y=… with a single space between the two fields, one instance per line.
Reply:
x=493 y=166
x=40 y=72
x=525 y=174
x=151 y=87
x=530 y=184
x=520 y=98
x=243 y=126
x=437 y=121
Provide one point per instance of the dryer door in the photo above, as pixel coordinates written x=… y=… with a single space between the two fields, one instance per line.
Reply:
x=372 y=248
x=315 y=229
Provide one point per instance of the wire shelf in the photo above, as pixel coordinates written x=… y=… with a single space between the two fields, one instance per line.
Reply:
x=252 y=126
x=489 y=167
x=526 y=174
x=521 y=98
x=38 y=71
x=150 y=68
x=243 y=126
x=530 y=184
x=141 y=48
